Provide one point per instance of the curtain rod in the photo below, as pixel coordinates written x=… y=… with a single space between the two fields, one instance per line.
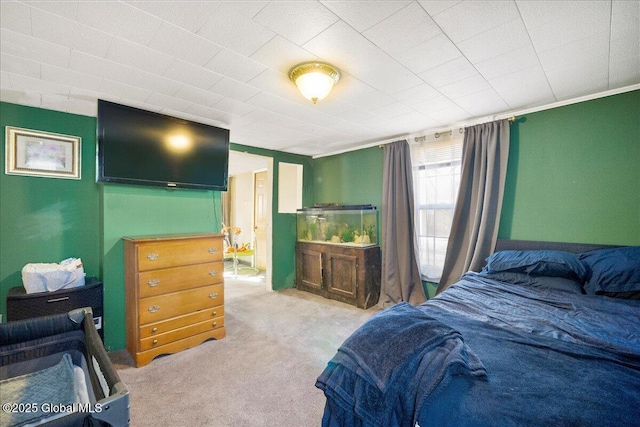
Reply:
x=450 y=132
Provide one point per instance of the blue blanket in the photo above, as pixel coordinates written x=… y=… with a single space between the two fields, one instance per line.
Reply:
x=382 y=372
x=527 y=356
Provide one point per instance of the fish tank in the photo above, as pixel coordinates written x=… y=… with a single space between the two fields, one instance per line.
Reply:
x=347 y=225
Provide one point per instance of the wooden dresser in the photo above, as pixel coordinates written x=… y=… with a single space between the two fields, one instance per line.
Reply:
x=174 y=290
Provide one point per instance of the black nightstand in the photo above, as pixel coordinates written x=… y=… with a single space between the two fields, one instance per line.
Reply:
x=21 y=305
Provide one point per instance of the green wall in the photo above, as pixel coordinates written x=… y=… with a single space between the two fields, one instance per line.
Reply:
x=48 y=219
x=351 y=178
x=137 y=211
x=574 y=174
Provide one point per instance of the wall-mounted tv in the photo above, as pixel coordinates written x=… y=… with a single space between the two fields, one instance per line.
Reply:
x=145 y=148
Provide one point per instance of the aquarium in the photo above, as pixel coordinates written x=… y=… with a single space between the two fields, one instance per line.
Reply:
x=348 y=225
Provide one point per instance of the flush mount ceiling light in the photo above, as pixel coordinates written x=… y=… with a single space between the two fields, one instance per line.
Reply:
x=314 y=79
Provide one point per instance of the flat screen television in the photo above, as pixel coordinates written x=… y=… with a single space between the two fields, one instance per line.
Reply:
x=145 y=148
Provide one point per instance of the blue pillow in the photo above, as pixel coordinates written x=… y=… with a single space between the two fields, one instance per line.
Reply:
x=541 y=282
x=612 y=271
x=538 y=263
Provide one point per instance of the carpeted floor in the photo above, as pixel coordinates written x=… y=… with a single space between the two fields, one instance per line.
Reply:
x=262 y=374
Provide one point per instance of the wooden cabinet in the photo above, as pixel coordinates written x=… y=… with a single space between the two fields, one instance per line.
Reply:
x=342 y=273
x=174 y=289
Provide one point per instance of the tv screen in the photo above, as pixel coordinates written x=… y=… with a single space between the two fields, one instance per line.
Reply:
x=146 y=148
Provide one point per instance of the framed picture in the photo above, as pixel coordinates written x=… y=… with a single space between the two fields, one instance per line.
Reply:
x=37 y=153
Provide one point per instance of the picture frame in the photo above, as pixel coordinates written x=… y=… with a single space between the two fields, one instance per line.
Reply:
x=45 y=154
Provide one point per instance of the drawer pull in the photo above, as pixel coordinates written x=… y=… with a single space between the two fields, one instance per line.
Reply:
x=214 y=313
x=154 y=330
x=154 y=342
x=213 y=273
x=215 y=324
x=153 y=257
x=58 y=299
x=154 y=308
x=213 y=295
x=153 y=283
x=213 y=250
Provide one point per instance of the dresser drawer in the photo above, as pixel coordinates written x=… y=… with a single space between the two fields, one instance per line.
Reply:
x=174 y=253
x=174 y=304
x=157 y=328
x=178 y=334
x=157 y=282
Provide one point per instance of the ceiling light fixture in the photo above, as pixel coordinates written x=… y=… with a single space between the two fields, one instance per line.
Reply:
x=314 y=79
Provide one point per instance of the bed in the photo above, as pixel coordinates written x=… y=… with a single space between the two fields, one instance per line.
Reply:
x=54 y=371
x=546 y=334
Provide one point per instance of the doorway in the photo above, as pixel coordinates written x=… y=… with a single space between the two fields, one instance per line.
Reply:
x=249 y=207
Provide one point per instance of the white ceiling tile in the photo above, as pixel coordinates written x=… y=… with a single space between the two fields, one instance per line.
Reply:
x=483 y=103
x=507 y=63
x=31 y=84
x=15 y=16
x=298 y=22
x=67 y=77
x=624 y=48
x=391 y=81
x=417 y=94
x=168 y=102
x=171 y=40
x=394 y=110
x=153 y=82
x=119 y=19
x=362 y=15
x=68 y=33
x=64 y=8
x=17 y=65
x=449 y=72
x=578 y=51
x=625 y=72
x=495 y=42
x=18 y=96
x=586 y=22
x=432 y=105
x=407 y=28
x=470 y=18
x=28 y=47
x=188 y=15
x=121 y=90
x=234 y=89
x=526 y=96
x=198 y=96
x=446 y=116
x=278 y=84
x=362 y=95
x=538 y=13
x=593 y=73
x=233 y=106
x=134 y=55
x=433 y=7
x=247 y=8
x=281 y=55
x=347 y=49
x=209 y=113
x=528 y=76
x=236 y=66
x=192 y=75
x=99 y=67
x=464 y=87
x=430 y=54
x=235 y=31
x=625 y=20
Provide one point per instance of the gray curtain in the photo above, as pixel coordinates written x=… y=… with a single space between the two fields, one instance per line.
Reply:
x=477 y=213
x=400 y=275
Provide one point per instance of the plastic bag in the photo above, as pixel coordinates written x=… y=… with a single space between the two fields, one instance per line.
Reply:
x=47 y=277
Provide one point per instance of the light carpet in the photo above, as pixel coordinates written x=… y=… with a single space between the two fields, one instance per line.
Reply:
x=262 y=374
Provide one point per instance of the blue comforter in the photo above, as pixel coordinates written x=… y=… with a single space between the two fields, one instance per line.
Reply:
x=486 y=353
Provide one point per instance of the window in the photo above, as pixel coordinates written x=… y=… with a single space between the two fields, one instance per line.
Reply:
x=436 y=179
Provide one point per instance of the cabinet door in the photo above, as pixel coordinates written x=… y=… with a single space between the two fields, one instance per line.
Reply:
x=341 y=276
x=309 y=270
